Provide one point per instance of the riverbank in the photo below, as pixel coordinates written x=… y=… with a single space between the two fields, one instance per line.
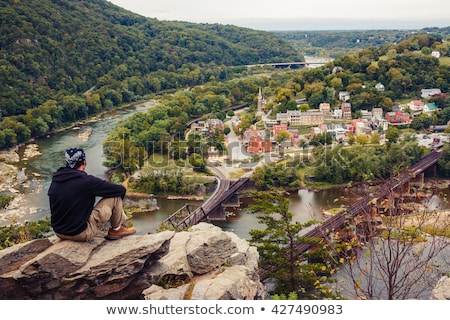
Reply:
x=26 y=169
x=96 y=118
x=10 y=174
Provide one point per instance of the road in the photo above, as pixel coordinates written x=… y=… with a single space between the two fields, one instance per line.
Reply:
x=236 y=152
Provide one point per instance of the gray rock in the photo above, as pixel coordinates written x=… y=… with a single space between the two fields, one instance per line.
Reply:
x=232 y=283
x=202 y=263
x=442 y=289
x=209 y=250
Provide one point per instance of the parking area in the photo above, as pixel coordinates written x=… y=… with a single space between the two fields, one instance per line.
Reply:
x=432 y=140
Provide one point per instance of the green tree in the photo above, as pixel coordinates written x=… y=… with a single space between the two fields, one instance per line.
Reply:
x=351 y=138
x=324 y=138
x=444 y=160
x=292 y=271
x=303 y=107
x=122 y=154
x=362 y=139
x=197 y=162
x=282 y=136
x=375 y=138
x=392 y=134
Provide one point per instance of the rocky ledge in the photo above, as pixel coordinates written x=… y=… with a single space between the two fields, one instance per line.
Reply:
x=442 y=289
x=204 y=263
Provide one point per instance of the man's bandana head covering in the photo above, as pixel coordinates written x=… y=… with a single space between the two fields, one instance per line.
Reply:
x=74 y=157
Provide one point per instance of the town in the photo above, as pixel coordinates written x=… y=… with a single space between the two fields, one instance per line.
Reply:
x=296 y=130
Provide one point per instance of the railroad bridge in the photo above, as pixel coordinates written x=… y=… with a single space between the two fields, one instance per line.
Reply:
x=290 y=65
x=212 y=209
x=188 y=215
x=364 y=204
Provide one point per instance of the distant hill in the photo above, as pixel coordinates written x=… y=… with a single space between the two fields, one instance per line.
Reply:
x=54 y=48
x=335 y=43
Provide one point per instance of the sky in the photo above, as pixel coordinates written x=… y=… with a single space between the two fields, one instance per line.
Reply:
x=276 y=15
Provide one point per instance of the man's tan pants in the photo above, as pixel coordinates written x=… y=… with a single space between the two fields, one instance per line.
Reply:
x=107 y=209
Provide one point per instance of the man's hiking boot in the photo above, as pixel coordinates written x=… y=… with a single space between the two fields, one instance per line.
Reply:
x=122 y=232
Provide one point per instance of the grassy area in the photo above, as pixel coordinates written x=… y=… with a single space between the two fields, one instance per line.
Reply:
x=157 y=160
x=444 y=61
x=5 y=199
x=435 y=223
x=15 y=234
x=199 y=178
x=236 y=174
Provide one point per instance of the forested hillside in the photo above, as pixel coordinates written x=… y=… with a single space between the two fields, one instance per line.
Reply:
x=52 y=51
x=336 y=43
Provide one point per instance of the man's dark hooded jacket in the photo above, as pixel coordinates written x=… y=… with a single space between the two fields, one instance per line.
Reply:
x=72 y=196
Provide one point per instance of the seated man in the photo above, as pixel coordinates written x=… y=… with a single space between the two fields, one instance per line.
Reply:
x=74 y=214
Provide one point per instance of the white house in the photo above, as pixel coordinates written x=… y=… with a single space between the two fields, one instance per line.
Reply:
x=377 y=112
x=430 y=107
x=416 y=106
x=344 y=95
x=379 y=86
x=337 y=114
x=426 y=93
x=436 y=54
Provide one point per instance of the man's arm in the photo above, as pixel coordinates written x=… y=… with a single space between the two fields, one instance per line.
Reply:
x=105 y=189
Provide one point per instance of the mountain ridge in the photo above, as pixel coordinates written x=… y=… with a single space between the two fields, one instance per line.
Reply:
x=51 y=48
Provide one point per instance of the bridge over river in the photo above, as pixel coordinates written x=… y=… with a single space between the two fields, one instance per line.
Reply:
x=337 y=221
x=185 y=217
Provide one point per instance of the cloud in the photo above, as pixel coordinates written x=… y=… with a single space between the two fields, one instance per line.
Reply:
x=299 y=15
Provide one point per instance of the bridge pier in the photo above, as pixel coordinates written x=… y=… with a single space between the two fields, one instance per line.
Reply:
x=417 y=180
x=217 y=214
x=220 y=213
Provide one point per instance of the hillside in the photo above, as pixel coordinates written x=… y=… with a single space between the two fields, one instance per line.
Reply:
x=54 y=48
x=335 y=43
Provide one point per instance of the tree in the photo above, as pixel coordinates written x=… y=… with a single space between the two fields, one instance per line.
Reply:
x=280 y=138
x=292 y=272
x=404 y=261
x=303 y=107
x=392 y=134
x=351 y=138
x=197 y=162
x=375 y=138
x=121 y=153
x=362 y=139
x=336 y=83
x=444 y=160
x=324 y=138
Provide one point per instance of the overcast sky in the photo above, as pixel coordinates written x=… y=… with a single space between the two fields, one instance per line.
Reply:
x=299 y=15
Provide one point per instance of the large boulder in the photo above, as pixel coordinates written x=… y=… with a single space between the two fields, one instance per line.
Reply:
x=202 y=263
x=442 y=289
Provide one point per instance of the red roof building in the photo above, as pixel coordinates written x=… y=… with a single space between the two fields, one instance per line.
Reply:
x=276 y=129
x=398 y=118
